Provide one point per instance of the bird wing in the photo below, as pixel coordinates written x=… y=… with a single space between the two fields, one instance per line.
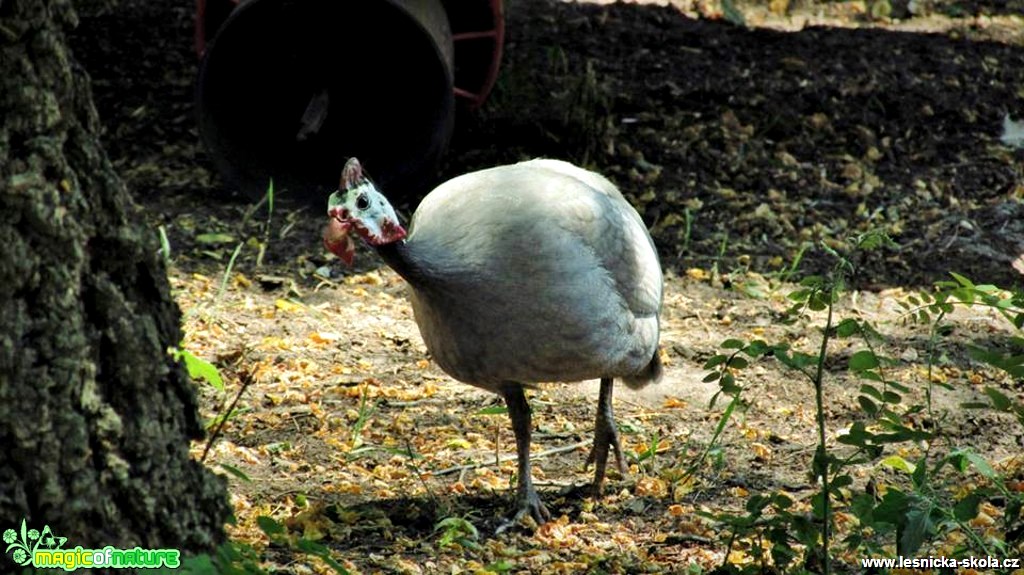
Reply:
x=472 y=216
x=595 y=209
x=532 y=267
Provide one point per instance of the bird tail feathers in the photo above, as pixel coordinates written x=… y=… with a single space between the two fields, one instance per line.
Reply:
x=651 y=373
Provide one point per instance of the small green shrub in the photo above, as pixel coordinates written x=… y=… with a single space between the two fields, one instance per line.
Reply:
x=929 y=503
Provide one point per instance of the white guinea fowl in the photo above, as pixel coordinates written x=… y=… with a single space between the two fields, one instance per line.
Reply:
x=534 y=272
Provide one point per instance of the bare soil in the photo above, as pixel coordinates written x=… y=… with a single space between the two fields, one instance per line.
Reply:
x=744 y=148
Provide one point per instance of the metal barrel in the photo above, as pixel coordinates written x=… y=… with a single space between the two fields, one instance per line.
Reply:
x=288 y=89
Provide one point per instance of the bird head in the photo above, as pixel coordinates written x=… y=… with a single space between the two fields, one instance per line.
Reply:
x=358 y=205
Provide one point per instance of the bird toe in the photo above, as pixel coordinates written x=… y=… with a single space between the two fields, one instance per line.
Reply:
x=530 y=512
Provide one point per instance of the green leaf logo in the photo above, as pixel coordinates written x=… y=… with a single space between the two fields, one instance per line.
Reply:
x=24 y=547
x=21 y=548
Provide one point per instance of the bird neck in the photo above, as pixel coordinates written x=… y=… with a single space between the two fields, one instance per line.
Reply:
x=397 y=255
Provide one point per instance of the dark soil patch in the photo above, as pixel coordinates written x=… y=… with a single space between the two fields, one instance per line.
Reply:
x=763 y=140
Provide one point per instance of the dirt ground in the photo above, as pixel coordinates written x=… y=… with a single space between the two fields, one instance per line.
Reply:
x=744 y=148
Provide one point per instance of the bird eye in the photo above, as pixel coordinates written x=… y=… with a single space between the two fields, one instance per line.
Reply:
x=362 y=202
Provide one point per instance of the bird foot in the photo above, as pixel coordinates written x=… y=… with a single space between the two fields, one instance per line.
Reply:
x=606 y=437
x=529 y=509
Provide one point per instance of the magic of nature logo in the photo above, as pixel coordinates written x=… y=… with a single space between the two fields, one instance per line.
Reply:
x=45 y=550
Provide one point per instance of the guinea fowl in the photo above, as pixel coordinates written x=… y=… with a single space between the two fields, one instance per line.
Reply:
x=533 y=272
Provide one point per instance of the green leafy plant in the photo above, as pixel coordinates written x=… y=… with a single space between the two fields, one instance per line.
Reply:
x=1005 y=354
x=363 y=415
x=457 y=531
x=768 y=518
x=924 y=507
x=198 y=368
x=790 y=271
x=723 y=246
x=165 y=246
x=227 y=272
x=491 y=411
x=645 y=458
x=201 y=370
x=237 y=558
x=687 y=229
x=279 y=535
x=230 y=558
x=263 y=241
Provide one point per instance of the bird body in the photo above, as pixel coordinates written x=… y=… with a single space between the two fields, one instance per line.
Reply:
x=534 y=276
x=533 y=272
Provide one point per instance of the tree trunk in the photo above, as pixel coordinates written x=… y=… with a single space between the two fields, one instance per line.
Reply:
x=95 y=416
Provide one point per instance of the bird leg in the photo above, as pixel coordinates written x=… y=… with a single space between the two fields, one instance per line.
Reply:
x=606 y=436
x=527 y=500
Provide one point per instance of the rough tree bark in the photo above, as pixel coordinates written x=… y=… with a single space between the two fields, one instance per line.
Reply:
x=95 y=417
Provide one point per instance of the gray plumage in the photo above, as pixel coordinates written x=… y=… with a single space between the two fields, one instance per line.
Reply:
x=538 y=271
x=534 y=272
